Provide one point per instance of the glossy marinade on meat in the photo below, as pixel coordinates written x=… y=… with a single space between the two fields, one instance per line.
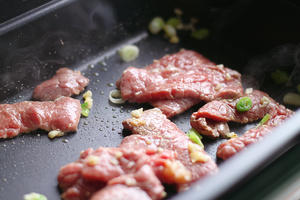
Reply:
x=173 y=83
x=180 y=80
x=211 y=119
x=65 y=82
x=152 y=129
x=62 y=114
x=97 y=171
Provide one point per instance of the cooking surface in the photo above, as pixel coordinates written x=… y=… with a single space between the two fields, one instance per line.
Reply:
x=31 y=54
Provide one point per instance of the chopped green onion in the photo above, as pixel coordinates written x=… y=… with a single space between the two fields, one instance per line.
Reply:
x=129 y=53
x=200 y=34
x=292 y=99
x=244 y=104
x=280 y=77
x=264 y=120
x=298 y=88
x=116 y=97
x=85 y=109
x=195 y=137
x=169 y=30
x=173 y=21
x=174 y=39
x=34 y=196
x=156 y=25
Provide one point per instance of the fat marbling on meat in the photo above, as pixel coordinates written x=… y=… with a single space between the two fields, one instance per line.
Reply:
x=62 y=114
x=65 y=82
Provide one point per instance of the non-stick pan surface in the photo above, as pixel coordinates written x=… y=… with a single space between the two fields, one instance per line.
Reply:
x=85 y=35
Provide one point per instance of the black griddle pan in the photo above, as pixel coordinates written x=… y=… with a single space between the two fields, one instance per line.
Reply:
x=253 y=37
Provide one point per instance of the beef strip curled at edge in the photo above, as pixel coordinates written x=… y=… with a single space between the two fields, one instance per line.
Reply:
x=62 y=114
x=96 y=169
x=211 y=119
x=152 y=129
x=235 y=145
x=184 y=62
x=65 y=82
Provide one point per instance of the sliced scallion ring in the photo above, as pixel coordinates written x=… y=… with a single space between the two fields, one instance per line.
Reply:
x=244 y=104
x=34 y=196
x=116 y=97
x=156 y=25
x=129 y=53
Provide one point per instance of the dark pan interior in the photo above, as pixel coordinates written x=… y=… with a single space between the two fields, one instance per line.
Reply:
x=252 y=37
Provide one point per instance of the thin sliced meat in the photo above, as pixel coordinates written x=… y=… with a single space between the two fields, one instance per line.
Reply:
x=211 y=119
x=174 y=107
x=235 y=145
x=120 y=192
x=65 y=82
x=180 y=77
x=178 y=67
x=153 y=130
x=62 y=114
x=97 y=168
x=206 y=83
x=184 y=60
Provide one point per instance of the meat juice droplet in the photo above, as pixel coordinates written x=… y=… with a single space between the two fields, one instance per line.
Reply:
x=110 y=84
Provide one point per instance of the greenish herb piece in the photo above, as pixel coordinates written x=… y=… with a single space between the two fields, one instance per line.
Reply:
x=173 y=21
x=200 y=34
x=244 y=104
x=129 y=53
x=156 y=25
x=170 y=30
x=84 y=109
x=264 y=120
x=195 y=137
x=280 y=77
x=34 y=196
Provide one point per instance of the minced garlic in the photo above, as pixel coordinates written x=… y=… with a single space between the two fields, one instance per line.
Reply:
x=118 y=154
x=130 y=182
x=228 y=77
x=249 y=90
x=264 y=101
x=196 y=153
x=137 y=122
x=137 y=113
x=177 y=171
x=55 y=133
x=220 y=66
x=231 y=135
x=88 y=98
x=92 y=160
x=218 y=87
